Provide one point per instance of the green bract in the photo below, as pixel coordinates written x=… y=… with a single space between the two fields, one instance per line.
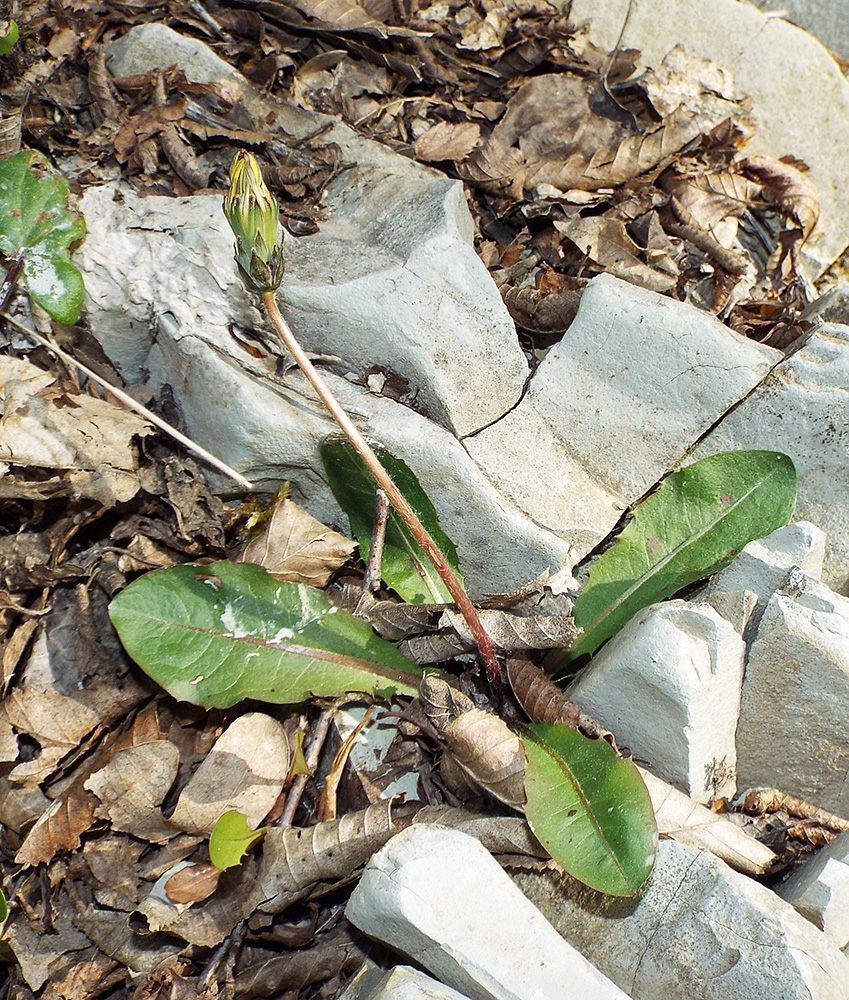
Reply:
x=253 y=212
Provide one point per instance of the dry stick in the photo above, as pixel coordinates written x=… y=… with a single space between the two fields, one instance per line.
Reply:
x=393 y=494
x=311 y=756
x=128 y=400
x=371 y=581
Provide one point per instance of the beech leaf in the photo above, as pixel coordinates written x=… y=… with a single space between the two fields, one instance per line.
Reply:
x=215 y=635
x=230 y=839
x=37 y=222
x=589 y=808
x=694 y=525
x=405 y=567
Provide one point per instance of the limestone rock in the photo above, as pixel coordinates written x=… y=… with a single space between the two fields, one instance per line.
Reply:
x=668 y=687
x=635 y=381
x=402 y=982
x=792 y=733
x=438 y=896
x=698 y=930
x=820 y=890
x=802 y=409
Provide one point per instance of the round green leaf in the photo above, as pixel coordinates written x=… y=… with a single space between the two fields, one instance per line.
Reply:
x=230 y=839
x=215 y=635
x=589 y=809
x=38 y=224
x=9 y=34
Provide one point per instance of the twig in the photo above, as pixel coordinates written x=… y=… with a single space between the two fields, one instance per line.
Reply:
x=371 y=581
x=311 y=755
x=128 y=400
x=393 y=494
x=327 y=803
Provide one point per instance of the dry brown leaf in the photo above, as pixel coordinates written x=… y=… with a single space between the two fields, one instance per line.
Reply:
x=788 y=185
x=689 y=822
x=294 y=860
x=42 y=427
x=447 y=141
x=58 y=829
x=131 y=788
x=293 y=546
x=542 y=312
x=193 y=884
x=712 y=202
x=344 y=15
x=606 y=242
x=88 y=975
x=245 y=770
x=510 y=631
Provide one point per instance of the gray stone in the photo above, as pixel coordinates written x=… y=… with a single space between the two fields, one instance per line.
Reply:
x=800 y=97
x=827 y=19
x=391 y=278
x=802 y=409
x=399 y=983
x=832 y=307
x=820 y=890
x=760 y=569
x=699 y=929
x=792 y=733
x=438 y=896
x=668 y=687
x=637 y=378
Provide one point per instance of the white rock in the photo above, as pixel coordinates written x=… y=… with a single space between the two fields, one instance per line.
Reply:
x=820 y=890
x=800 y=97
x=438 y=896
x=392 y=278
x=699 y=929
x=399 y=983
x=793 y=733
x=761 y=567
x=637 y=378
x=668 y=687
x=802 y=409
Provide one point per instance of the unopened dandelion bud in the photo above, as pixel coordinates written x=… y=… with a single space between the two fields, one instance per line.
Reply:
x=252 y=212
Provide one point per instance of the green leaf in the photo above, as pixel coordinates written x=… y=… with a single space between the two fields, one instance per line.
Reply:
x=4 y=909
x=694 y=525
x=36 y=222
x=8 y=36
x=589 y=809
x=230 y=839
x=405 y=567
x=215 y=635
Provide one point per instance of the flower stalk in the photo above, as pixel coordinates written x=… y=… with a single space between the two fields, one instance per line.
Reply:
x=253 y=216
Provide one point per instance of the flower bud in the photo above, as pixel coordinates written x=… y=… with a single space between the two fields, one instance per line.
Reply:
x=252 y=212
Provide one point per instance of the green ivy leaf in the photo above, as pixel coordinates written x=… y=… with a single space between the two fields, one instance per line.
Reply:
x=215 y=635
x=694 y=525
x=589 y=809
x=4 y=909
x=37 y=223
x=230 y=839
x=405 y=567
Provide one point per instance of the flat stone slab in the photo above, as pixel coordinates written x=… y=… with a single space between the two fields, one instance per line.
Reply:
x=634 y=382
x=698 y=930
x=668 y=687
x=800 y=97
x=440 y=897
x=402 y=982
x=820 y=890
x=793 y=732
x=802 y=409
x=827 y=19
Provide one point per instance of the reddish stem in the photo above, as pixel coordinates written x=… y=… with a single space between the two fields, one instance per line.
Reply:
x=393 y=494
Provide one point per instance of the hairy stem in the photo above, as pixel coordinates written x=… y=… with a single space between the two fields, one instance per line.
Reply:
x=393 y=494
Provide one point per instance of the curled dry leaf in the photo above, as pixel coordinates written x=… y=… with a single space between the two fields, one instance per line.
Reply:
x=192 y=884
x=293 y=546
x=712 y=202
x=245 y=771
x=786 y=183
x=509 y=631
x=542 y=312
x=448 y=141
